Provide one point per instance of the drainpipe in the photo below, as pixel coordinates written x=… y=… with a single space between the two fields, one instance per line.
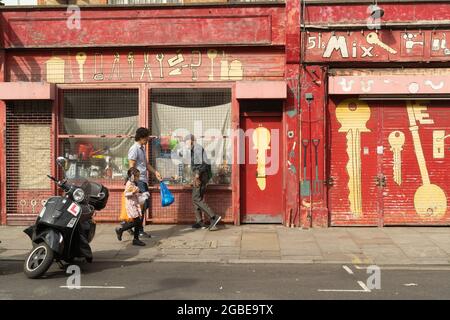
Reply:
x=309 y=98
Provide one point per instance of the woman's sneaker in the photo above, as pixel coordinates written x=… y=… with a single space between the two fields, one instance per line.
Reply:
x=119 y=232
x=130 y=231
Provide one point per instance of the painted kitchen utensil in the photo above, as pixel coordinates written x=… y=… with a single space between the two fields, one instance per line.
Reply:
x=160 y=58
x=212 y=54
x=292 y=167
x=292 y=153
x=98 y=73
x=81 y=59
x=305 y=187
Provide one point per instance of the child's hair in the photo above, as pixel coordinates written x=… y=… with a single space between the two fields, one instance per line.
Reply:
x=131 y=173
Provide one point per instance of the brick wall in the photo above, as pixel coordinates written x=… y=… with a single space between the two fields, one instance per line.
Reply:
x=182 y=211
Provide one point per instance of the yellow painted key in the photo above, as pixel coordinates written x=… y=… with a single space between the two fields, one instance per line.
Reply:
x=353 y=115
x=396 y=141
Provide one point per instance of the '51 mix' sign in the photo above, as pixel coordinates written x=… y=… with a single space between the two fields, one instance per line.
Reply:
x=382 y=45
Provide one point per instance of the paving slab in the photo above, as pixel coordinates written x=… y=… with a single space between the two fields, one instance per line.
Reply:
x=260 y=241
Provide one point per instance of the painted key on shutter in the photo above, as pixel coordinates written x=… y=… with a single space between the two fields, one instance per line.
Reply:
x=372 y=38
x=396 y=141
x=430 y=200
x=353 y=115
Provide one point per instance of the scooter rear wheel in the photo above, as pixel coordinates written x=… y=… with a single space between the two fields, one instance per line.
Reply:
x=38 y=261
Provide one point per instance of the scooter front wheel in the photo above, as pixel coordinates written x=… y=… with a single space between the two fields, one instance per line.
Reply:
x=38 y=261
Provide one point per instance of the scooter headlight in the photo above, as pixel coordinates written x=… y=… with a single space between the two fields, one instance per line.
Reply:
x=78 y=195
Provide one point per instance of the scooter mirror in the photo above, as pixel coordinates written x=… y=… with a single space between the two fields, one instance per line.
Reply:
x=61 y=161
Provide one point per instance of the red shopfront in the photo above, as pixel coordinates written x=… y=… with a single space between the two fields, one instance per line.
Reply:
x=384 y=100
x=93 y=97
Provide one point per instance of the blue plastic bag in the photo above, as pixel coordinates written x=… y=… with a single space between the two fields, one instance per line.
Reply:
x=166 y=196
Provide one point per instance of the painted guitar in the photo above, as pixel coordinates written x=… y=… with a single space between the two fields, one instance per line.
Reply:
x=429 y=200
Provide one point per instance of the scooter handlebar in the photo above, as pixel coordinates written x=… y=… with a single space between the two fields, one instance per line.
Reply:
x=54 y=179
x=61 y=184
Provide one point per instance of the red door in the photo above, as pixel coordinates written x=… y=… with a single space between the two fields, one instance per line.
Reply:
x=261 y=176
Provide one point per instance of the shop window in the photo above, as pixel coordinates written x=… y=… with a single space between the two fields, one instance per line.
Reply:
x=206 y=113
x=96 y=131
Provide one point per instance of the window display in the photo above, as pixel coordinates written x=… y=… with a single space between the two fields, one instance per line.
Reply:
x=96 y=158
x=206 y=113
x=96 y=132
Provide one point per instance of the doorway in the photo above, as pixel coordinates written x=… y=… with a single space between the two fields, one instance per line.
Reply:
x=261 y=173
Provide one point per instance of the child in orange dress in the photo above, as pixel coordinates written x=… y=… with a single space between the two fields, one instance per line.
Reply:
x=133 y=208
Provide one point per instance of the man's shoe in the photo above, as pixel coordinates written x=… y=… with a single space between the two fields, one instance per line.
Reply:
x=204 y=226
x=199 y=225
x=196 y=226
x=215 y=221
x=137 y=242
x=119 y=232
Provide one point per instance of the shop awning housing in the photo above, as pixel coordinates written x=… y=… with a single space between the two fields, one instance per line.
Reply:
x=27 y=91
x=423 y=83
x=261 y=90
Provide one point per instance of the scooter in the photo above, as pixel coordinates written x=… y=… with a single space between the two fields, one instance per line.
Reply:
x=65 y=226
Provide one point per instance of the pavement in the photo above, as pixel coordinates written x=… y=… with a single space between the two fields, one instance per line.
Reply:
x=253 y=244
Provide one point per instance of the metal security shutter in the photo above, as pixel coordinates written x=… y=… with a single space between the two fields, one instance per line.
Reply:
x=399 y=205
x=398 y=200
x=28 y=152
x=339 y=197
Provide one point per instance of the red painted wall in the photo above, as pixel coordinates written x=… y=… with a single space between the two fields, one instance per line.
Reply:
x=177 y=65
x=337 y=35
x=40 y=47
x=348 y=13
x=152 y=26
x=292 y=112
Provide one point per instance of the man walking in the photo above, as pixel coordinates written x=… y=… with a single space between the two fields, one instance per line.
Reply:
x=137 y=157
x=201 y=170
